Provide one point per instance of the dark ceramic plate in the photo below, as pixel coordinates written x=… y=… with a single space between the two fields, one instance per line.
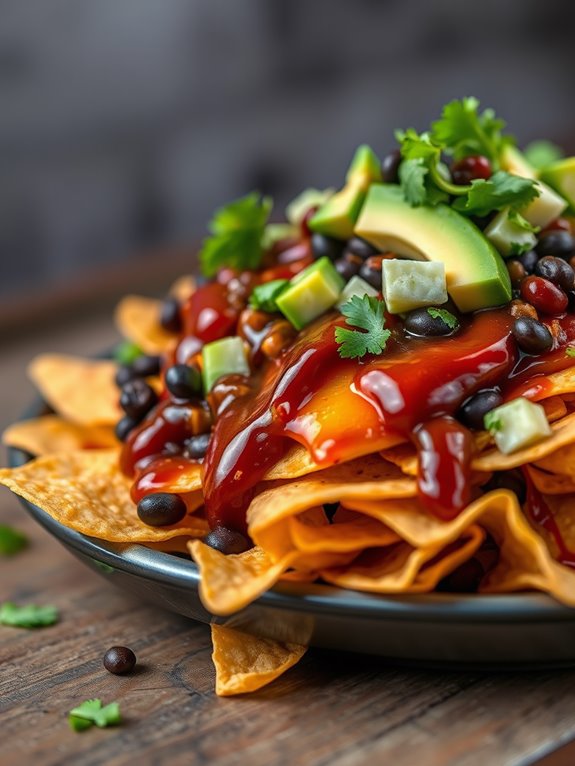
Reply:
x=437 y=629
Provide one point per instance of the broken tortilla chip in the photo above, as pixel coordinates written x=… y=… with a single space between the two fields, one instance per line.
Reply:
x=86 y=491
x=138 y=320
x=82 y=391
x=245 y=663
x=51 y=433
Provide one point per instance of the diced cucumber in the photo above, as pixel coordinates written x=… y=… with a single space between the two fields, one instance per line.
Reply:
x=223 y=357
x=310 y=293
x=510 y=233
x=517 y=424
x=355 y=286
x=408 y=285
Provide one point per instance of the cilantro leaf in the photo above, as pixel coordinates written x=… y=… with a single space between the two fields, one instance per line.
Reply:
x=500 y=191
x=570 y=351
x=264 y=296
x=92 y=712
x=462 y=131
x=521 y=224
x=29 y=616
x=127 y=352
x=11 y=541
x=420 y=172
x=492 y=422
x=446 y=317
x=539 y=154
x=367 y=313
x=237 y=232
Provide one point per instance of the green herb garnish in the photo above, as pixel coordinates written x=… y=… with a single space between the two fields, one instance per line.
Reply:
x=492 y=422
x=11 y=541
x=445 y=316
x=237 y=233
x=367 y=313
x=539 y=154
x=29 y=616
x=264 y=296
x=91 y=712
x=127 y=352
x=500 y=191
x=570 y=351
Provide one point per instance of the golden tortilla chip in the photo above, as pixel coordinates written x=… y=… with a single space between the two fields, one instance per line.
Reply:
x=82 y=391
x=138 y=320
x=245 y=663
x=551 y=483
x=183 y=287
x=51 y=433
x=349 y=532
x=86 y=491
x=555 y=384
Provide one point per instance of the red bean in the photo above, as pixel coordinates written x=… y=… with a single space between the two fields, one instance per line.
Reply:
x=544 y=295
x=469 y=168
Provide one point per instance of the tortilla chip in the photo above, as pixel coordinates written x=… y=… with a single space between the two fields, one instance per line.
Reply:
x=82 y=391
x=555 y=384
x=86 y=491
x=349 y=532
x=138 y=320
x=187 y=478
x=551 y=483
x=183 y=287
x=51 y=433
x=245 y=663
x=554 y=407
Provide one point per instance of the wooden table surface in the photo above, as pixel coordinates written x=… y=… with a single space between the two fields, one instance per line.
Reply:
x=334 y=709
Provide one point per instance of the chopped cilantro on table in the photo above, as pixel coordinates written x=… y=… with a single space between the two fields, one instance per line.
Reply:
x=445 y=316
x=367 y=313
x=264 y=296
x=29 y=616
x=92 y=712
x=11 y=541
x=237 y=231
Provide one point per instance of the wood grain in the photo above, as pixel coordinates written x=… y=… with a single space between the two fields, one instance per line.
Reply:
x=331 y=709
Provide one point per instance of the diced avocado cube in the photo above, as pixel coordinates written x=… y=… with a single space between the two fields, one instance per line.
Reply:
x=510 y=233
x=561 y=177
x=337 y=217
x=355 y=286
x=548 y=205
x=517 y=424
x=223 y=357
x=408 y=285
x=310 y=293
x=308 y=198
x=275 y=232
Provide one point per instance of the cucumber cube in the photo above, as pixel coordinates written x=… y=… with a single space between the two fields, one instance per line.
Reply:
x=310 y=293
x=517 y=424
x=509 y=236
x=408 y=285
x=355 y=286
x=223 y=357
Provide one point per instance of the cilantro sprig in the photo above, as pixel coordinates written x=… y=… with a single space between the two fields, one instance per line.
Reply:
x=11 y=541
x=500 y=191
x=92 y=712
x=492 y=422
x=127 y=352
x=446 y=316
x=237 y=235
x=29 y=616
x=264 y=296
x=570 y=352
x=367 y=313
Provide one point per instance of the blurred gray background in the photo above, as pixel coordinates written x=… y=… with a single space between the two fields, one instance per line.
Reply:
x=123 y=123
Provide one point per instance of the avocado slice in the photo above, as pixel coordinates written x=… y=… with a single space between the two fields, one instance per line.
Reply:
x=476 y=274
x=548 y=205
x=337 y=216
x=310 y=293
x=561 y=177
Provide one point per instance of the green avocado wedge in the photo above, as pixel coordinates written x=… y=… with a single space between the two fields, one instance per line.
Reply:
x=477 y=277
x=561 y=177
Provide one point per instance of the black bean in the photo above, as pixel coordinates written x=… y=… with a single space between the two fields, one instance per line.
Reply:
x=529 y=261
x=556 y=243
x=474 y=409
x=330 y=247
x=170 y=317
x=183 y=381
x=360 y=247
x=532 y=336
x=348 y=265
x=119 y=660
x=390 y=167
x=124 y=373
x=511 y=480
x=420 y=322
x=556 y=270
x=145 y=366
x=227 y=540
x=196 y=447
x=124 y=426
x=137 y=398
x=161 y=509
x=371 y=272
